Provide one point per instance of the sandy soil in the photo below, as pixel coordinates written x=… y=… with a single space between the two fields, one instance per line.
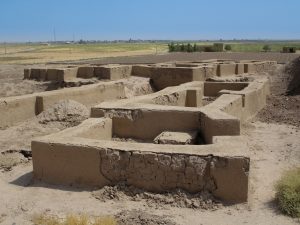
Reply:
x=274 y=148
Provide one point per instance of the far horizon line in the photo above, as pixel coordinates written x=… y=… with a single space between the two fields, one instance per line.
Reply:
x=150 y=40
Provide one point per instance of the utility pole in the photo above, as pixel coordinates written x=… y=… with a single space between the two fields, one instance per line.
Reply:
x=54 y=34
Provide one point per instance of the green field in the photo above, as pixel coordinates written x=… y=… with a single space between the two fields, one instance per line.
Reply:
x=257 y=47
x=42 y=53
x=253 y=46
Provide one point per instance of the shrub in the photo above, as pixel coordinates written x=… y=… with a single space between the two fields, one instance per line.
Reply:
x=288 y=193
x=228 y=47
x=267 y=48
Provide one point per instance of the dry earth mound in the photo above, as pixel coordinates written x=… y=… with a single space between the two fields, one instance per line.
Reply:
x=283 y=106
x=292 y=69
x=68 y=112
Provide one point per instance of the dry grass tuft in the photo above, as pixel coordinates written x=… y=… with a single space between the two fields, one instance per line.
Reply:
x=73 y=220
x=288 y=193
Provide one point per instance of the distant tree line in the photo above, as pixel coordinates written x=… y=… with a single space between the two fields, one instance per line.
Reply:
x=183 y=47
x=188 y=47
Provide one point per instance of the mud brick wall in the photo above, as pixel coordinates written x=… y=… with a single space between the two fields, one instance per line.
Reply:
x=226 y=177
x=213 y=88
x=113 y=72
x=17 y=109
x=163 y=77
x=226 y=69
x=257 y=67
x=85 y=72
x=240 y=68
x=160 y=172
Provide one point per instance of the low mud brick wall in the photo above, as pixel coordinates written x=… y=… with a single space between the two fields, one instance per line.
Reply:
x=85 y=72
x=20 y=108
x=17 y=109
x=99 y=164
x=132 y=123
x=213 y=88
x=142 y=71
x=240 y=68
x=163 y=77
x=226 y=69
x=86 y=95
x=113 y=72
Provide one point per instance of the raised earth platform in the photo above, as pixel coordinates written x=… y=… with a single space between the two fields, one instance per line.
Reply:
x=172 y=138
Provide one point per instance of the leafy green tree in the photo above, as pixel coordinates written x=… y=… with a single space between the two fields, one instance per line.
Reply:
x=267 y=48
x=177 y=48
x=171 y=47
x=182 y=48
x=189 y=48
x=195 y=47
x=228 y=47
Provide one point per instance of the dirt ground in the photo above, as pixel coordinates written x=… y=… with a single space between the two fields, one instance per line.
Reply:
x=273 y=138
x=165 y=57
x=283 y=105
x=12 y=81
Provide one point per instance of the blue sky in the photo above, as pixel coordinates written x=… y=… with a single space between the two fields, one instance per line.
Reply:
x=35 y=20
